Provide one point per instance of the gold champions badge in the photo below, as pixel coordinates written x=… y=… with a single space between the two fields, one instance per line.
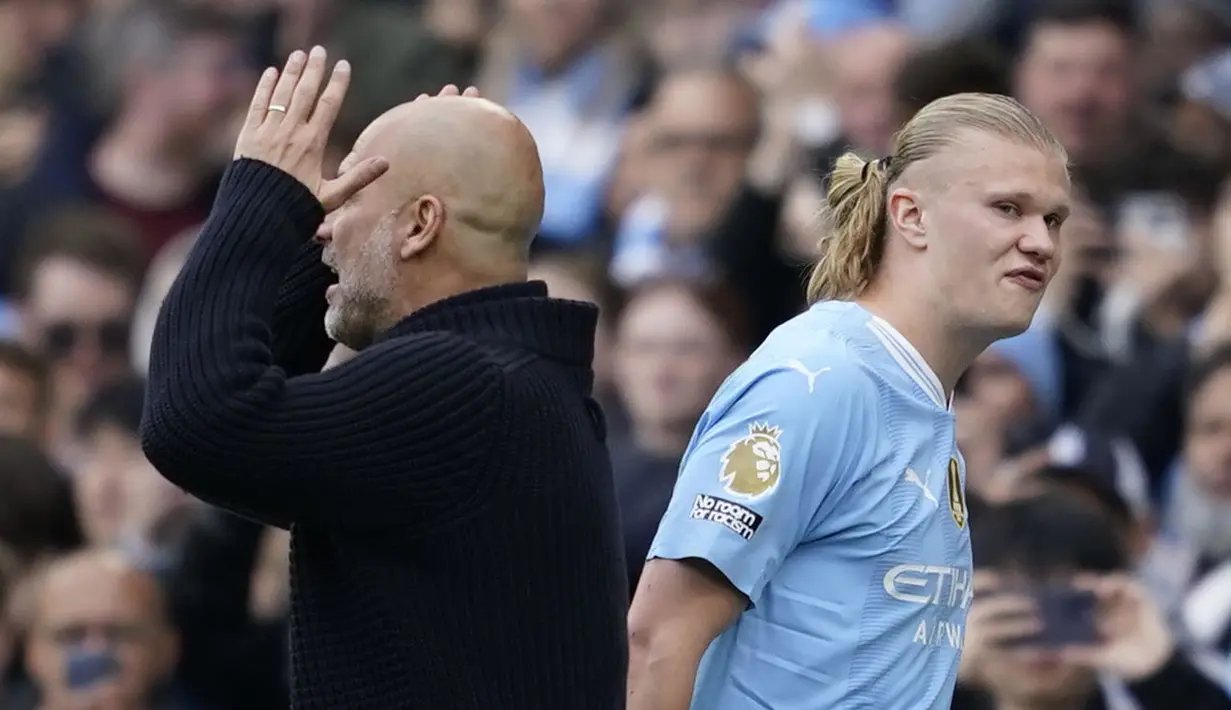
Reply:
x=957 y=499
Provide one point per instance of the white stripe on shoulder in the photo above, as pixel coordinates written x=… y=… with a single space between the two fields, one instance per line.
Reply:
x=909 y=359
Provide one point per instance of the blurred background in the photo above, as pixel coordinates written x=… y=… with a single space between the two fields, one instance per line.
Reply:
x=685 y=144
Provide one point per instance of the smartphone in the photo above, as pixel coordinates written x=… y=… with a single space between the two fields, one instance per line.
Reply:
x=1068 y=617
x=1160 y=217
x=85 y=669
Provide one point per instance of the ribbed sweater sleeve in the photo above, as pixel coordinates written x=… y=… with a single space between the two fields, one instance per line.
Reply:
x=225 y=422
x=300 y=345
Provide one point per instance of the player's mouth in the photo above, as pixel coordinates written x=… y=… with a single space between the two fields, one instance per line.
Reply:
x=1031 y=278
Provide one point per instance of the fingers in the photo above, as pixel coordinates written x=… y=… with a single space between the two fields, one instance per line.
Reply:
x=1005 y=618
x=303 y=97
x=330 y=103
x=1105 y=587
x=471 y=92
x=279 y=102
x=985 y=582
x=336 y=192
x=994 y=610
x=261 y=97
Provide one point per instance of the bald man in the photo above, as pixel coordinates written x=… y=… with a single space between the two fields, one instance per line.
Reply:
x=448 y=491
x=100 y=636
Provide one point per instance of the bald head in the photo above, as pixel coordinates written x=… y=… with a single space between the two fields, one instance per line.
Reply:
x=456 y=211
x=98 y=604
x=472 y=154
x=98 y=575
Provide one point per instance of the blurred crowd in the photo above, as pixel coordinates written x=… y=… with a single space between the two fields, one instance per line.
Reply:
x=685 y=145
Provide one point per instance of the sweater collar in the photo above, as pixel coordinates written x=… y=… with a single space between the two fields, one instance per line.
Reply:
x=519 y=314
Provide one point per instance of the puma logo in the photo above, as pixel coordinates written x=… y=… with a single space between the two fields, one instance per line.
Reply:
x=913 y=478
x=802 y=369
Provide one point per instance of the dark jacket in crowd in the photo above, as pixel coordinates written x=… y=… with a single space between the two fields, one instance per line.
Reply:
x=455 y=541
x=1177 y=684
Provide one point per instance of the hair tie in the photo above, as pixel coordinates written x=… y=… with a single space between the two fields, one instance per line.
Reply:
x=863 y=174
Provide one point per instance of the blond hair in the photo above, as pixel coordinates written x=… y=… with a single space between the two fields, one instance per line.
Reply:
x=853 y=242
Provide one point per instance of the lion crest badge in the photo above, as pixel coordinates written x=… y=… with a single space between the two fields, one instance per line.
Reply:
x=752 y=465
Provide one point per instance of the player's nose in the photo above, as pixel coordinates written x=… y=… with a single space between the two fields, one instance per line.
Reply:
x=1038 y=240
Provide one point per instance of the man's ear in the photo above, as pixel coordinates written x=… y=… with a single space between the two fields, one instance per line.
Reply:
x=426 y=219
x=905 y=215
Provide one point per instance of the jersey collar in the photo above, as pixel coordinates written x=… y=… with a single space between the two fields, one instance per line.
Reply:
x=910 y=360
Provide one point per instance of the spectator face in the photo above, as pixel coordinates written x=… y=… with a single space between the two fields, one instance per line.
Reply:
x=29 y=28
x=683 y=31
x=702 y=128
x=1179 y=35
x=202 y=87
x=1201 y=130
x=556 y=31
x=1078 y=79
x=80 y=318
x=118 y=492
x=20 y=412
x=1034 y=678
x=865 y=65
x=1207 y=445
x=1000 y=391
x=980 y=440
x=94 y=610
x=671 y=355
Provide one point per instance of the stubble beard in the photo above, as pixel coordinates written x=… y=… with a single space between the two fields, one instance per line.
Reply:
x=350 y=323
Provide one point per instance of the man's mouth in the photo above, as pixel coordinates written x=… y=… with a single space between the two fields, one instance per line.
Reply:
x=1029 y=277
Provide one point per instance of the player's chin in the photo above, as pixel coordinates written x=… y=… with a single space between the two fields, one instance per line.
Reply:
x=1016 y=315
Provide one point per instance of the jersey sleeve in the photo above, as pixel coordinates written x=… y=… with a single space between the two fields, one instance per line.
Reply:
x=762 y=466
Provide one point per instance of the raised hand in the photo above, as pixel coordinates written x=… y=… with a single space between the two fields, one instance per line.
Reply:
x=995 y=617
x=452 y=90
x=288 y=127
x=1136 y=639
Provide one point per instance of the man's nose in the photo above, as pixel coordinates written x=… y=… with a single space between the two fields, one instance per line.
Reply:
x=324 y=233
x=1039 y=241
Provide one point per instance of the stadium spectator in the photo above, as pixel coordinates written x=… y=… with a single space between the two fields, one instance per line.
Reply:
x=1056 y=622
x=702 y=126
x=25 y=392
x=75 y=290
x=683 y=138
x=675 y=343
x=101 y=637
x=121 y=499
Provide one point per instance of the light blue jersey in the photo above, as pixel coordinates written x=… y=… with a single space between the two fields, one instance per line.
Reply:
x=824 y=482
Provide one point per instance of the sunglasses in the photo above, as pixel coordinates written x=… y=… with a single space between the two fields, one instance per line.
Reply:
x=110 y=337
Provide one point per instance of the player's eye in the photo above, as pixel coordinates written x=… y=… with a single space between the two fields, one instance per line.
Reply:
x=1009 y=209
x=1054 y=221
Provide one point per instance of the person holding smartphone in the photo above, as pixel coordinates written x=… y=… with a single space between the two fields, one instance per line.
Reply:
x=1058 y=620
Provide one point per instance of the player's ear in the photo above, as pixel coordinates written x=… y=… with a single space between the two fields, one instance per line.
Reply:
x=906 y=216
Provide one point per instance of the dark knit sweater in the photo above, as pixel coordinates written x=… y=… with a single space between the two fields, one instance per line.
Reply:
x=454 y=530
